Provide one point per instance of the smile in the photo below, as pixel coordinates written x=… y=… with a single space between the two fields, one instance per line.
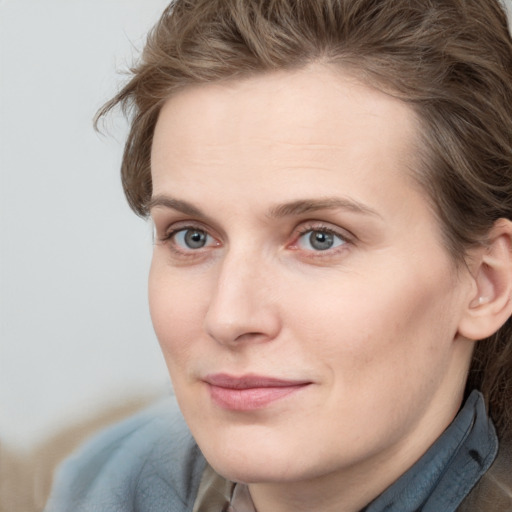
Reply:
x=249 y=392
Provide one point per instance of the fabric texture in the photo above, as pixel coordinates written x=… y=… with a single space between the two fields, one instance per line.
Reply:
x=494 y=491
x=150 y=463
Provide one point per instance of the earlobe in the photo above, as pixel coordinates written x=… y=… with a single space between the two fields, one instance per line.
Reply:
x=490 y=303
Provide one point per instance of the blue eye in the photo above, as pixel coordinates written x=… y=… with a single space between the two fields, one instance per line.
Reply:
x=319 y=240
x=191 y=238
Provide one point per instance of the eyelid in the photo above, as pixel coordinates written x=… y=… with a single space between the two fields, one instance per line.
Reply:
x=165 y=220
x=172 y=228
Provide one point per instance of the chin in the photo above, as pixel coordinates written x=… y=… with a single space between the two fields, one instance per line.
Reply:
x=263 y=460
x=250 y=471
x=250 y=459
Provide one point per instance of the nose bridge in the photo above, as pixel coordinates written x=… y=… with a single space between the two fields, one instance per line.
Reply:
x=240 y=307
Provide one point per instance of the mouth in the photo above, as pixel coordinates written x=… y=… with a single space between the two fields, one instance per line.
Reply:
x=250 y=392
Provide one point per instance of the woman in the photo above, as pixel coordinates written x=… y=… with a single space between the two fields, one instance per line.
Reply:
x=331 y=285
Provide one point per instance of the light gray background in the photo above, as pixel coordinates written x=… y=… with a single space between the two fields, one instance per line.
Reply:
x=75 y=334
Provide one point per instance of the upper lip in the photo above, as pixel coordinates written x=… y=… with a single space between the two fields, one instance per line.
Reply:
x=224 y=380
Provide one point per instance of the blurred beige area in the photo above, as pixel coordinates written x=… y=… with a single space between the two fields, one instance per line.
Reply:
x=26 y=478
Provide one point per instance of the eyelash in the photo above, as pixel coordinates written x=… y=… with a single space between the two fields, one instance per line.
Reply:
x=311 y=227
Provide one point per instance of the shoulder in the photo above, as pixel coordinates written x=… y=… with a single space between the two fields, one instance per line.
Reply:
x=494 y=490
x=147 y=463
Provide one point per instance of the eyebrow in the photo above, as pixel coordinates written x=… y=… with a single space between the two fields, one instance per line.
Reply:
x=299 y=207
x=175 y=204
x=303 y=206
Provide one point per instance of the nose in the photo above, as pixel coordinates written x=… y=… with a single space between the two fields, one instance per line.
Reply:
x=243 y=306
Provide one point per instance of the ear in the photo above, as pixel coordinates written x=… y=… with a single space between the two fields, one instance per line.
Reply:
x=490 y=301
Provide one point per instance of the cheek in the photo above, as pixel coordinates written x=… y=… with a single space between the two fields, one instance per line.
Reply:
x=176 y=308
x=370 y=323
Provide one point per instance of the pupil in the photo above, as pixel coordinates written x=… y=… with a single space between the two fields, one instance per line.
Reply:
x=195 y=239
x=320 y=240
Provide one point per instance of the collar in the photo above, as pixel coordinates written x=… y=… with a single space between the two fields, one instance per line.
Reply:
x=451 y=467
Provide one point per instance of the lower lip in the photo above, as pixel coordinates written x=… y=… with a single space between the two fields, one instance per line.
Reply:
x=250 y=399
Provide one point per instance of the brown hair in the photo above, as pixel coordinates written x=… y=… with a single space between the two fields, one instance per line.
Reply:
x=451 y=60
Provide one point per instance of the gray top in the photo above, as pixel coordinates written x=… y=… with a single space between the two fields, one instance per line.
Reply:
x=151 y=463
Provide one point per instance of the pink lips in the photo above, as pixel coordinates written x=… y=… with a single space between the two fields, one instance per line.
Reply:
x=249 y=392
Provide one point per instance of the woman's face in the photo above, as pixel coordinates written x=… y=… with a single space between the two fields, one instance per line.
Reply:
x=305 y=305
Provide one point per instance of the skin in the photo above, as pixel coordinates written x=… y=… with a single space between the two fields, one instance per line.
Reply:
x=372 y=323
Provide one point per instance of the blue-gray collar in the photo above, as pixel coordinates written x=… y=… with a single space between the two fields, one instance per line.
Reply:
x=445 y=475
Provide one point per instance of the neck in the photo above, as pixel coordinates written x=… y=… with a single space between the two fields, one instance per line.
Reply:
x=302 y=497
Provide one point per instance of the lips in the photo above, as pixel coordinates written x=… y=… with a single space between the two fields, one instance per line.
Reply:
x=250 y=392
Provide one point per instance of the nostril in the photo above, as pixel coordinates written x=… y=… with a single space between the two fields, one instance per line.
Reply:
x=257 y=327
x=253 y=336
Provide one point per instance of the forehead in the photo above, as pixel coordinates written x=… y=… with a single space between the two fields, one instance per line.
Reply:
x=285 y=123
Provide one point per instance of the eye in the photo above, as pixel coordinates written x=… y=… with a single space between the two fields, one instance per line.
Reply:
x=192 y=238
x=320 y=240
